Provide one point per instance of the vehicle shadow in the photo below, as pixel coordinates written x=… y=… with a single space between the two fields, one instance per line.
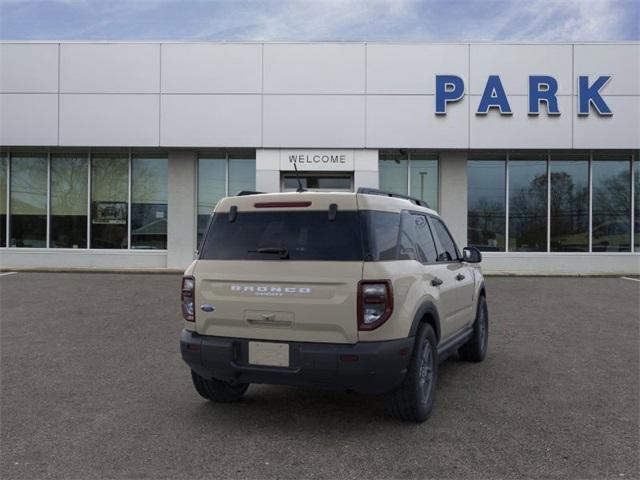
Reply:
x=269 y=405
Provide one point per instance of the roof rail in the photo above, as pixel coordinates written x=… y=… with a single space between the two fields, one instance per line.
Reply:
x=382 y=193
x=243 y=193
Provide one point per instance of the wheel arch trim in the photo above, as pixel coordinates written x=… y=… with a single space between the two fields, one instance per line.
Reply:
x=426 y=308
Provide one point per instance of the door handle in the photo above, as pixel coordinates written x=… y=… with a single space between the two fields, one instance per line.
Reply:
x=436 y=282
x=460 y=277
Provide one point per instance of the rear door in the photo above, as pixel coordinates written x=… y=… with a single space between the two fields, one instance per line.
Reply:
x=279 y=274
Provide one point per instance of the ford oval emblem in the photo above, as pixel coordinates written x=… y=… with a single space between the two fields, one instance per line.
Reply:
x=207 y=308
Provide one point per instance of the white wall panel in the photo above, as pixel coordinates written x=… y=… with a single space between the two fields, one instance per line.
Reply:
x=211 y=68
x=366 y=160
x=28 y=68
x=109 y=120
x=453 y=194
x=314 y=95
x=521 y=130
x=182 y=204
x=66 y=259
x=268 y=180
x=110 y=68
x=409 y=121
x=313 y=121
x=411 y=69
x=514 y=64
x=621 y=130
x=28 y=119
x=314 y=68
x=620 y=61
x=211 y=120
x=524 y=263
x=365 y=179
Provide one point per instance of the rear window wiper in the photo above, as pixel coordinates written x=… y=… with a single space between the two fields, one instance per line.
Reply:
x=283 y=252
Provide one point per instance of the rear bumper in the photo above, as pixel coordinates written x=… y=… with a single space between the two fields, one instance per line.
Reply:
x=371 y=367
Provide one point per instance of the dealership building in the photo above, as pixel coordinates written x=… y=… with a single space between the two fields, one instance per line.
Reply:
x=113 y=155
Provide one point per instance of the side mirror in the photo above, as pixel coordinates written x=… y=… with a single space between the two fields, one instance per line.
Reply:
x=471 y=255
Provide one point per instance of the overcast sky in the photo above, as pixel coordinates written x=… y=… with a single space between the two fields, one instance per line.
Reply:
x=427 y=20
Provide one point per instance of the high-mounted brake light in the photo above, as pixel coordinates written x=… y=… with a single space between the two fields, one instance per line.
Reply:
x=375 y=303
x=282 y=204
x=187 y=294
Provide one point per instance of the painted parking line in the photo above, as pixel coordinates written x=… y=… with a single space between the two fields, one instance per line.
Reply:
x=632 y=279
x=7 y=273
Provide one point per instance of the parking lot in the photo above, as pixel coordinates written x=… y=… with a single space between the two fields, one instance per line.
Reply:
x=93 y=386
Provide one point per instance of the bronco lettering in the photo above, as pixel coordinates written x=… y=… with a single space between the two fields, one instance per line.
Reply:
x=268 y=289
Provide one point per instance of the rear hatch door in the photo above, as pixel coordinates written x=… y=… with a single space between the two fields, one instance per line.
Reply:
x=280 y=272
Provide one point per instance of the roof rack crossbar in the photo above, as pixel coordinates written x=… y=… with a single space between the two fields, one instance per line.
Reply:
x=382 y=193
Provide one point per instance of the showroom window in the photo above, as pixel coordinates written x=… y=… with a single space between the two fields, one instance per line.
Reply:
x=68 y=208
x=149 y=197
x=109 y=201
x=219 y=175
x=528 y=203
x=28 y=201
x=636 y=202
x=410 y=173
x=4 y=166
x=611 y=222
x=487 y=202
x=569 y=197
x=79 y=200
x=553 y=202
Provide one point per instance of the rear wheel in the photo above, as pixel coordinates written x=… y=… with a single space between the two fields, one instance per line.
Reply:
x=217 y=390
x=476 y=348
x=413 y=400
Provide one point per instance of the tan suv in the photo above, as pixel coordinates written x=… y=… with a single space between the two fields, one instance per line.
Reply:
x=361 y=292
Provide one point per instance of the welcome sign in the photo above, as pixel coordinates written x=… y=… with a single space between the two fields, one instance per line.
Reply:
x=317 y=160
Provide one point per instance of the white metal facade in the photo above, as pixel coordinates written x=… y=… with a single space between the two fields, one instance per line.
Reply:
x=272 y=97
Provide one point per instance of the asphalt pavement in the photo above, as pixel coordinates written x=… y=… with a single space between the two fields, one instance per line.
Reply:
x=93 y=386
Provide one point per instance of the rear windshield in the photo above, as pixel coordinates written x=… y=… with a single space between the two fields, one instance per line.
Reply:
x=288 y=234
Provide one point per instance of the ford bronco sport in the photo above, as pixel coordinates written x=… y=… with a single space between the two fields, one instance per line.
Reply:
x=361 y=292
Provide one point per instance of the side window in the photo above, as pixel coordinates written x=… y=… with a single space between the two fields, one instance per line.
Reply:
x=380 y=232
x=425 y=239
x=448 y=251
x=408 y=241
x=416 y=242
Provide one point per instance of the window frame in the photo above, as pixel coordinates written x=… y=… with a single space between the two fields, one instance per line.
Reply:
x=633 y=157
x=89 y=153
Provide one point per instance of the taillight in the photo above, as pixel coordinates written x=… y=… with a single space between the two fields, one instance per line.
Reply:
x=375 y=303
x=188 y=309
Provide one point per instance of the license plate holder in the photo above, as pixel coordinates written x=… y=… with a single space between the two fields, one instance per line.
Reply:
x=269 y=354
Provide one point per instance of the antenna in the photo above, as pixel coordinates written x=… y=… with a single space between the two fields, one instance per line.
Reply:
x=300 y=189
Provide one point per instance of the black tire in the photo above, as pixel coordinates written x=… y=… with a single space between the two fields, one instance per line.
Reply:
x=217 y=390
x=475 y=350
x=413 y=400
